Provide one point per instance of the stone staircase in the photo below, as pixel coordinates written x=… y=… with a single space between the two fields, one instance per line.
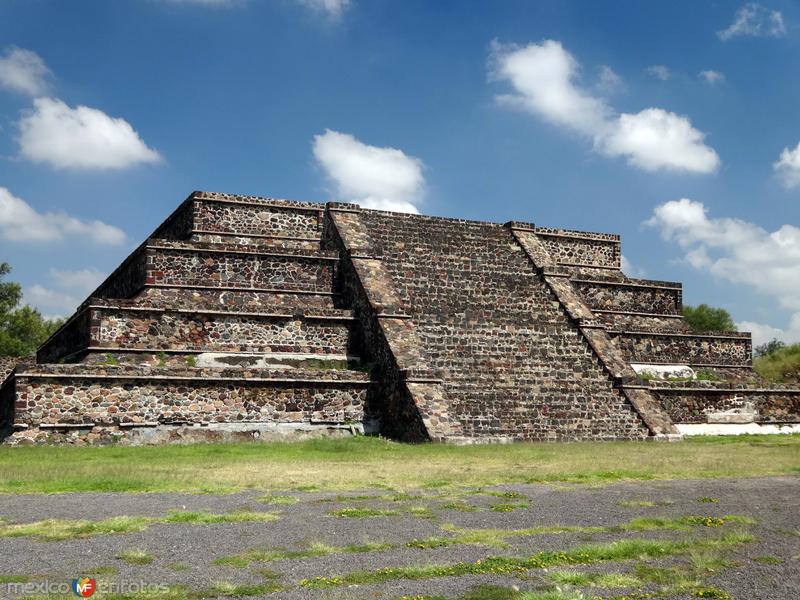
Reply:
x=242 y=317
x=696 y=378
x=225 y=323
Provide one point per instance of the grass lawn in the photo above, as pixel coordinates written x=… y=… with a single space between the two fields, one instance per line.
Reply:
x=361 y=463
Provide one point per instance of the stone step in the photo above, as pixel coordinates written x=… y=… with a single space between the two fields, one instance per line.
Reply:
x=211 y=213
x=639 y=321
x=98 y=329
x=57 y=399
x=260 y=242
x=732 y=349
x=178 y=359
x=715 y=402
x=581 y=248
x=218 y=266
x=631 y=295
x=218 y=298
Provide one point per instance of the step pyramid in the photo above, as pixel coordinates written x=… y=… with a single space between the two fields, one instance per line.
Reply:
x=244 y=317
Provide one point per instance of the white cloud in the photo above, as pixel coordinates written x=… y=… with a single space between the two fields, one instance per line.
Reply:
x=68 y=291
x=661 y=72
x=545 y=82
x=608 y=81
x=80 y=138
x=24 y=71
x=763 y=333
x=711 y=77
x=334 y=9
x=84 y=281
x=380 y=178
x=736 y=251
x=754 y=20
x=544 y=79
x=19 y=222
x=788 y=167
x=630 y=269
x=53 y=303
x=656 y=139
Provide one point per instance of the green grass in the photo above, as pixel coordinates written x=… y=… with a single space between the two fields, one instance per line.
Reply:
x=627 y=549
x=497 y=538
x=503 y=507
x=370 y=513
x=768 y=560
x=364 y=462
x=782 y=365
x=246 y=558
x=136 y=557
x=602 y=580
x=14 y=579
x=278 y=500
x=64 y=529
x=459 y=506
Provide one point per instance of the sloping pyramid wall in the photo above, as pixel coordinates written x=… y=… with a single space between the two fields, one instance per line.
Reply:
x=243 y=317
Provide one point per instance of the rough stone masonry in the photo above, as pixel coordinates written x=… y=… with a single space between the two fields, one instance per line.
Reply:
x=243 y=317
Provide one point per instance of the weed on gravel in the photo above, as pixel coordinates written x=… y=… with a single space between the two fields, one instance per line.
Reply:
x=509 y=565
x=136 y=557
x=64 y=529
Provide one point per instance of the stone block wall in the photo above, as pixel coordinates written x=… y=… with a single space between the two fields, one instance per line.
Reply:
x=473 y=331
x=733 y=349
x=581 y=248
x=514 y=366
x=693 y=402
x=146 y=398
x=194 y=265
x=157 y=330
x=632 y=295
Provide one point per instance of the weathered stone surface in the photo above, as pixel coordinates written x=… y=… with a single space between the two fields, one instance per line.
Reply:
x=243 y=317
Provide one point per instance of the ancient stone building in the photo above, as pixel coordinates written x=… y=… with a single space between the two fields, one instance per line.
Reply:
x=244 y=317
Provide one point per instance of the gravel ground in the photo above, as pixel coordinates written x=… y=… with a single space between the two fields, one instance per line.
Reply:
x=773 y=502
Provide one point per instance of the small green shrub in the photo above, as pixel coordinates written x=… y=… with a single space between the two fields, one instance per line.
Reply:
x=781 y=365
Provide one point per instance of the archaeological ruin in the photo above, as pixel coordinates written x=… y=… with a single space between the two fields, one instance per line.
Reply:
x=243 y=317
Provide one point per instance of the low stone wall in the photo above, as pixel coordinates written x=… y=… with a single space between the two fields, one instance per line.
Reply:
x=693 y=402
x=218 y=332
x=658 y=348
x=120 y=397
x=581 y=248
x=630 y=296
x=222 y=216
x=7 y=364
x=243 y=300
x=191 y=264
x=72 y=338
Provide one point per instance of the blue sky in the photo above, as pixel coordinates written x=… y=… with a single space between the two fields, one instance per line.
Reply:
x=674 y=124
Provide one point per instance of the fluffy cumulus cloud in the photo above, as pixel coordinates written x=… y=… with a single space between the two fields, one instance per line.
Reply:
x=788 y=167
x=661 y=72
x=19 y=222
x=24 y=71
x=754 y=20
x=80 y=138
x=380 y=178
x=544 y=78
x=739 y=252
x=711 y=77
x=655 y=139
